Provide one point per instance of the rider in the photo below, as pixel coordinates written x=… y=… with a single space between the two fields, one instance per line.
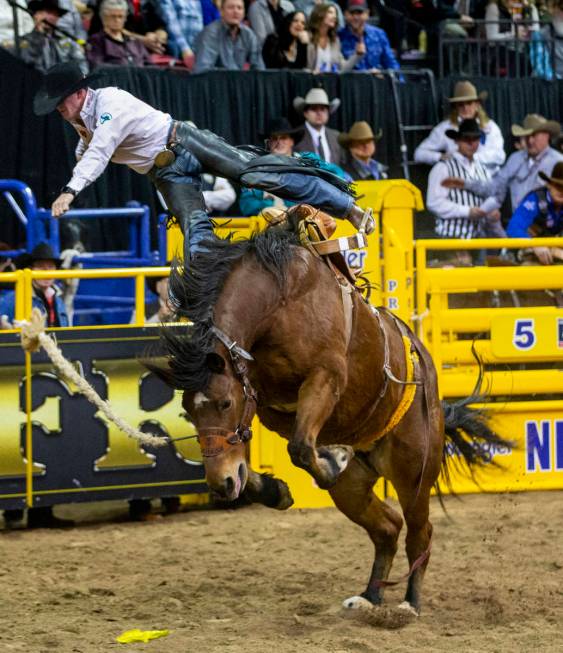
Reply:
x=115 y=125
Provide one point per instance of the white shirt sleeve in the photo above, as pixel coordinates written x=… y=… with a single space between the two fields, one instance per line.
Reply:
x=108 y=134
x=492 y=153
x=437 y=200
x=221 y=197
x=80 y=149
x=433 y=146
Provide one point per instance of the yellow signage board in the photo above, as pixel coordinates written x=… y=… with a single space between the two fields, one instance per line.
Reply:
x=528 y=335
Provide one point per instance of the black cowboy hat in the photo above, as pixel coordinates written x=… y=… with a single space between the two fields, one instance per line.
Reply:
x=467 y=129
x=44 y=5
x=59 y=82
x=277 y=126
x=41 y=252
x=556 y=175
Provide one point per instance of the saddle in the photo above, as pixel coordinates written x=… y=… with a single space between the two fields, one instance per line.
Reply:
x=315 y=229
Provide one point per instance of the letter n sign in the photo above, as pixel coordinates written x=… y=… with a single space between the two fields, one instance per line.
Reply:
x=538 y=446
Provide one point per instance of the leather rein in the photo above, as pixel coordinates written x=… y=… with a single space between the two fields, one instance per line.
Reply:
x=214 y=440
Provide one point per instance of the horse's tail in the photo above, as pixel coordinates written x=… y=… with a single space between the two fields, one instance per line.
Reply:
x=470 y=441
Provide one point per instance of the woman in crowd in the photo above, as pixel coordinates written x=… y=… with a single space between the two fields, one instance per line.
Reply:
x=323 y=53
x=288 y=48
x=465 y=104
x=112 y=45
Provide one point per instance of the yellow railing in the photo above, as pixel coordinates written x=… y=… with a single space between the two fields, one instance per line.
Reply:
x=23 y=280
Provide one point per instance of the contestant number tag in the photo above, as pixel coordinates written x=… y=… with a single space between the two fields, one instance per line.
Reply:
x=531 y=336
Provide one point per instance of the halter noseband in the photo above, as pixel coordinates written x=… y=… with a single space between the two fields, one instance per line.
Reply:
x=214 y=440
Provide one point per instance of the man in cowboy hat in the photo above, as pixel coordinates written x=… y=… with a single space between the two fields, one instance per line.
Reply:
x=520 y=174
x=360 y=144
x=46 y=295
x=280 y=138
x=43 y=47
x=540 y=214
x=114 y=125
x=465 y=103
x=319 y=138
x=458 y=212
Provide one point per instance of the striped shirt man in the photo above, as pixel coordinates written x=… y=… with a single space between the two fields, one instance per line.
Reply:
x=452 y=207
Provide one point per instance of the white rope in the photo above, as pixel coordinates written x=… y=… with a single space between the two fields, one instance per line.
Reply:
x=33 y=337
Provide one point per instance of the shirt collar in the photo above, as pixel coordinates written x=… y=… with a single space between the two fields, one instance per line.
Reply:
x=314 y=133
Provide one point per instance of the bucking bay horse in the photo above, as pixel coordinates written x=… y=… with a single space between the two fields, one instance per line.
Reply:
x=350 y=387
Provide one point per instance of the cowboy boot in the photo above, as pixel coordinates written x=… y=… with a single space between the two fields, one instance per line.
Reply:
x=362 y=219
x=185 y=202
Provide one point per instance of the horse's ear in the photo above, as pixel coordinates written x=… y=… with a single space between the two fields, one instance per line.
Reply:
x=215 y=363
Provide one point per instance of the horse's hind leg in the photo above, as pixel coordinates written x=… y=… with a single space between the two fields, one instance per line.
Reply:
x=353 y=495
x=267 y=490
x=419 y=533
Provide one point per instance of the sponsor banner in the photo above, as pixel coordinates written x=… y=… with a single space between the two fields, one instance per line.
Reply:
x=77 y=454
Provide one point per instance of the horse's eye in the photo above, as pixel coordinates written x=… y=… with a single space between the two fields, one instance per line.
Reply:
x=225 y=405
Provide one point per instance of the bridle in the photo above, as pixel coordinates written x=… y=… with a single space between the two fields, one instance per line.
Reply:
x=214 y=440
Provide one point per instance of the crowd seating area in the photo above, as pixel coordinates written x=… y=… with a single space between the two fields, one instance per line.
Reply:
x=470 y=37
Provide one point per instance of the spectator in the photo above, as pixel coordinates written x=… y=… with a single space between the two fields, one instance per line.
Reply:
x=7 y=32
x=556 y=10
x=42 y=47
x=502 y=18
x=142 y=24
x=323 y=52
x=456 y=23
x=280 y=138
x=227 y=43
x=540 y=214
x=184 y=22
x=307 y=6
x=465 y=104
x=520 y=174
x=459 y=213
x=218 y=194
x=360 y=143
x=46 y=297
x=71 y=22
x=266 y=16
x=368 y=42
x=287 y=48
x=319 y=138
x=112 y=45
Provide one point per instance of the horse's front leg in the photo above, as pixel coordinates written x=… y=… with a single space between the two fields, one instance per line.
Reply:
x=316 y=400
x=267 y=490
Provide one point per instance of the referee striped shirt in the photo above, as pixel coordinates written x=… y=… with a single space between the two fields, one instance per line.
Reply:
x=450 y=205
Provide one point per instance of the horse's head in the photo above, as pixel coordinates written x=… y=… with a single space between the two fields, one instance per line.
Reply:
x=222 y=416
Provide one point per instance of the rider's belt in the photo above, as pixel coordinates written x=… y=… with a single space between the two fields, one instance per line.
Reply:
x=166 y=157
x=344 y=244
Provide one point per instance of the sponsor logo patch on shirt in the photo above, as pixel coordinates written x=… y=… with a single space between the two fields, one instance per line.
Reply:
x=105 y=117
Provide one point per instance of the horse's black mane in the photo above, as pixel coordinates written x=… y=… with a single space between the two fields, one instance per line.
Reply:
x=195 y=289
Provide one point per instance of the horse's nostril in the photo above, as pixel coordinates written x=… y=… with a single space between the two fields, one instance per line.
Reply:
x=229 y=486
x=241 y=472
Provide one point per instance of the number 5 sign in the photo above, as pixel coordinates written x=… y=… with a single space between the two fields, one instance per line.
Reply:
x=524 y=336
x=537 y=335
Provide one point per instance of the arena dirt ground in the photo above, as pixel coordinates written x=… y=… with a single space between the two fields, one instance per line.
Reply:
x=259 y=581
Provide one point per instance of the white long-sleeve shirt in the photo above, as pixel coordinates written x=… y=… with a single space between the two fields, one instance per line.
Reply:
x=221 y=197
x=491 y=151
x=451 y=206
x=117 y=127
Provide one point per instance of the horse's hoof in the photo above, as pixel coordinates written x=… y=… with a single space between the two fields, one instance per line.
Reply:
x=406 y=607
x=285 y=500
x=357 y=603
x=335 y=459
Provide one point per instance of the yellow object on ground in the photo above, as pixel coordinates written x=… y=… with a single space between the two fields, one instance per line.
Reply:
x=136 y=635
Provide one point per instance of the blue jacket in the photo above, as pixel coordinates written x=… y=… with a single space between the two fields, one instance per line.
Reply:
x=536 y=216
x=378 y=50
x=8 y=303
